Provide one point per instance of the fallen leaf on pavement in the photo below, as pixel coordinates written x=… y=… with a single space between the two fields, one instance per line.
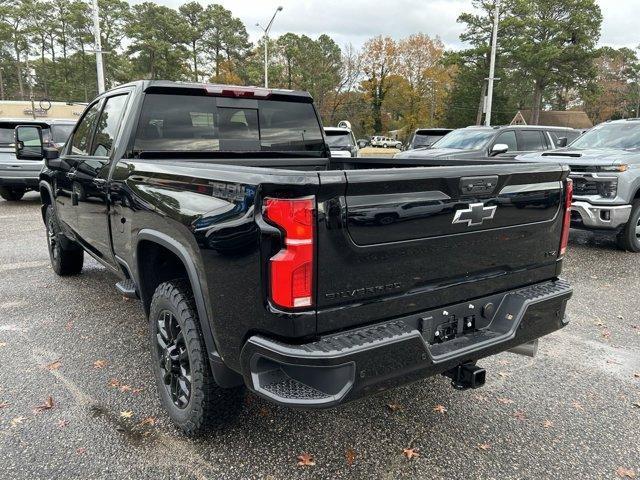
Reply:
x=625 y=472
x=99 y=364
x=350 y=456
x=3 y=404
x=47 y=405
x=484 y=446
x=518 y=414
x=125 y=388
x=411 y=452
x=68 y=326
x=636 y=375
x=440 y=409
x=503 y=374
x=306 y=460
x=547 y=424
x=148 y=421
x=113 y=382
x=126 y=414
x=3 y=344
x=16 y=421
x=81 y=450
x=578 y=406
x=505 y=401
x=394 y=407
x=606 y=334
x=54 y=365
x=63 y=423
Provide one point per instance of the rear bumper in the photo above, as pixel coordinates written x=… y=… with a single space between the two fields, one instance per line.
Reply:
x=587 y=215
x=344 y=366
x=20 y=175
x=20 y=183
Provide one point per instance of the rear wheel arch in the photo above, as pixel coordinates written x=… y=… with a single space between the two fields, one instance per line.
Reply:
x=176 y=263
x=46 y=198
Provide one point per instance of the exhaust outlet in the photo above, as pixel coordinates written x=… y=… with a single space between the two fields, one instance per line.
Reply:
x=529 y=349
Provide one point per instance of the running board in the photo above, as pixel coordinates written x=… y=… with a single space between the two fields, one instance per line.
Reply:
x=128 y=289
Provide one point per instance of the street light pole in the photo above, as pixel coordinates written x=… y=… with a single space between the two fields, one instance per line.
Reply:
x=266 y=45
x=98 y=47
x=492 y=64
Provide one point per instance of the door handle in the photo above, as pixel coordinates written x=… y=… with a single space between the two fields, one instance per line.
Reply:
x=72 y=175
x=99 y=182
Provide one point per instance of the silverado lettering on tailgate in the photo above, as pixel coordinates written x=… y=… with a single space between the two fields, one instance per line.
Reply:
x=359 y=292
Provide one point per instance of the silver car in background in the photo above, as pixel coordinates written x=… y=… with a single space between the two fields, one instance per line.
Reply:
x=20 y=176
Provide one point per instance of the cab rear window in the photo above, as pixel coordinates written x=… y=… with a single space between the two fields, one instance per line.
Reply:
x=183 y=123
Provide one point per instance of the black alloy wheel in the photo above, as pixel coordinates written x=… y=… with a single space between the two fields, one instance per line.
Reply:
x=173 y=359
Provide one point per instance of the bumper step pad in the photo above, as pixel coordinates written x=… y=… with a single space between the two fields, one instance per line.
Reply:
x=372 y=358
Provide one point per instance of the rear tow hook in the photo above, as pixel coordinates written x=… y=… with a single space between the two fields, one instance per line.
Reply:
x=466 y=376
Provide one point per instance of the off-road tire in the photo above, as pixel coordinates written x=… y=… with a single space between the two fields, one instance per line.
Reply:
x=208 y=405
x=11 y=194
x=66 y=257
x=629 y=237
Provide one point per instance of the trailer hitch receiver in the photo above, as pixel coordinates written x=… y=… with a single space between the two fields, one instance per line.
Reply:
x=466 y=376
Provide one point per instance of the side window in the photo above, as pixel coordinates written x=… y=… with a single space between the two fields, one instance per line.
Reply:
x=508 y=138
x=531 y=140
x=82 y=136
x=108 y=125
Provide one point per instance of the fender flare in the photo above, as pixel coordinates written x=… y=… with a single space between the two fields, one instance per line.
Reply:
x=223 y=375
x=47 y=187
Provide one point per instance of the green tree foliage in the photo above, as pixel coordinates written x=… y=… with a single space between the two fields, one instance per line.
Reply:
x=552 y=43
x=546 y=58
x=157 y=45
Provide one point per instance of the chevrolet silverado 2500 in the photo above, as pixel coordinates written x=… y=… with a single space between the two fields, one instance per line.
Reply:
x=262 y=262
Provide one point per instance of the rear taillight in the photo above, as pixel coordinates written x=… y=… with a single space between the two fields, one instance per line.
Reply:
x=291 y=269
x=568 y=197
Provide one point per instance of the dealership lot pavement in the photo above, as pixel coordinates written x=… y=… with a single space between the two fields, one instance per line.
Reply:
x=572 y=412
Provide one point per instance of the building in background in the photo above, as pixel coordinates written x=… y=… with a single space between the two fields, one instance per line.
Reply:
x=555 y=118
x=40 y=109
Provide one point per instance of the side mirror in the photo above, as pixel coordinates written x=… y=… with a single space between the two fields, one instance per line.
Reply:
x=28 y=142
x=499 y=148
x=562 y=142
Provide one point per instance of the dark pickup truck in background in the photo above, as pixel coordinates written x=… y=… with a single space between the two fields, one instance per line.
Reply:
x=261 y=261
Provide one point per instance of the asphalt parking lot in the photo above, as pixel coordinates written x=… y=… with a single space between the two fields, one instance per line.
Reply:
x=572 y=412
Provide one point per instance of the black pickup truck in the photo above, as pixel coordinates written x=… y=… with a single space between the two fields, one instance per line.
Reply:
x=261 y=261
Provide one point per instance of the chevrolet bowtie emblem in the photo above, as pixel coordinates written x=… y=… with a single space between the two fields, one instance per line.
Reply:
x=475 y=214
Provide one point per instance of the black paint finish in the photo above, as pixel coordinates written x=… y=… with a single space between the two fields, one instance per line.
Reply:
x=368 y=268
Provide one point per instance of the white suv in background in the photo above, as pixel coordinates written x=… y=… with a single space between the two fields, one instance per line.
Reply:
x=341 y=141
x=385 y=142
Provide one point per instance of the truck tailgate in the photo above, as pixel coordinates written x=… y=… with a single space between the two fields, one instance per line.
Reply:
x=398 y=241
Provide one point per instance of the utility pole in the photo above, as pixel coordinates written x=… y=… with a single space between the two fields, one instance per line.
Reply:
x=266 y=44
x=492 y=64
x=98 y=47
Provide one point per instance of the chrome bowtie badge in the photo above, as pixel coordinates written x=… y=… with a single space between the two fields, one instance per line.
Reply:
x=475 y=214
